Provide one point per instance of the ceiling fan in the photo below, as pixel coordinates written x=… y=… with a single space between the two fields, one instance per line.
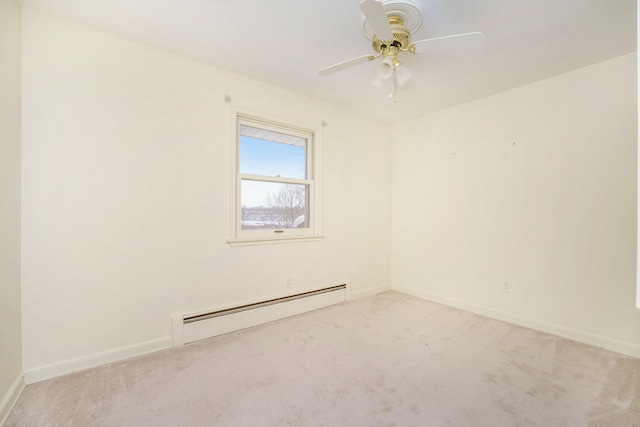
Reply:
x=390 y=24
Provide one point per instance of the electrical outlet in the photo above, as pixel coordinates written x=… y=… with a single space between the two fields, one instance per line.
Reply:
x=289 y=282
x=506 y=288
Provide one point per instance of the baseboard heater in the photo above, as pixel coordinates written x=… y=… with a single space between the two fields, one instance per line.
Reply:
x=192 y=327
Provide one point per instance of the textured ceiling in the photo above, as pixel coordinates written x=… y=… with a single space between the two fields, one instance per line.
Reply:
x=286 y=42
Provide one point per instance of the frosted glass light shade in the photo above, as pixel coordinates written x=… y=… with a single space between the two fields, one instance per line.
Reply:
x=377 y=81
x=402 y=75
x=385 y=69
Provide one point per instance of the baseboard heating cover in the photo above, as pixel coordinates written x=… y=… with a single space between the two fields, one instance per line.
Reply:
x=192 y=327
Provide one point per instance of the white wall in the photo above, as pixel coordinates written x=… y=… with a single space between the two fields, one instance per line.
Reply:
x=638 y=216
x=10 y=342
x=126 y=188
x=535 y=187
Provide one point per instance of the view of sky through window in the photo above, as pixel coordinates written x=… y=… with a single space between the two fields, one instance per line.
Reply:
x=268 y=158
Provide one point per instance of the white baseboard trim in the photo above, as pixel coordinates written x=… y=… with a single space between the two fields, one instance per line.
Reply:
x=369 y=292
x=622 y=347
x=93 y=360
x=9 y=400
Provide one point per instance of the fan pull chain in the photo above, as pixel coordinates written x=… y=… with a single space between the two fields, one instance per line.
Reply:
x=393 y=87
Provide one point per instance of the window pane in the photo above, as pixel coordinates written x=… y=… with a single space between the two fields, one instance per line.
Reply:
x=271 y=205
x=271 y=153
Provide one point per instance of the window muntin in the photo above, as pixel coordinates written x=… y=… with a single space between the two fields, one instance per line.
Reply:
x=275 y=191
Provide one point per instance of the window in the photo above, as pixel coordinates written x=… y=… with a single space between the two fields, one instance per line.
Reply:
x=275 y=195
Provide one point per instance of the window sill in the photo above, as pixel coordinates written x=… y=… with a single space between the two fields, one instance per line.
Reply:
x=273 y=240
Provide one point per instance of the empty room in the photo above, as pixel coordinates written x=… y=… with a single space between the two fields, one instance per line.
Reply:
x=319 y=213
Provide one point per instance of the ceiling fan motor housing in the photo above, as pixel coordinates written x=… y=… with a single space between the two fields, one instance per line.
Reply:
x=401 y=36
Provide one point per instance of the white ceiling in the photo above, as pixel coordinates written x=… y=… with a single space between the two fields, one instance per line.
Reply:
x=286 y=42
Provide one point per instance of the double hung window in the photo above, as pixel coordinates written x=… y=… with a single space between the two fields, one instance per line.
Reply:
x=275 y=191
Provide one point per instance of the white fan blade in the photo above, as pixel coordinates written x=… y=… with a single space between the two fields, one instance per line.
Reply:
x=459 y=41
x=374 y=12
x=346 y=64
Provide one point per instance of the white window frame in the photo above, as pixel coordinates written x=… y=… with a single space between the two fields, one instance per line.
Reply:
x=314 y=152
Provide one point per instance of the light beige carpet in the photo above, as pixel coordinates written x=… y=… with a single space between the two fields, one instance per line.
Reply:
x=389 y=360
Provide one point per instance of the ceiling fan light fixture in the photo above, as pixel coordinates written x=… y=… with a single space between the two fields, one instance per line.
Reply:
x=377 y=81
x=385 y=69
x=390 y=25
x=402 y=75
